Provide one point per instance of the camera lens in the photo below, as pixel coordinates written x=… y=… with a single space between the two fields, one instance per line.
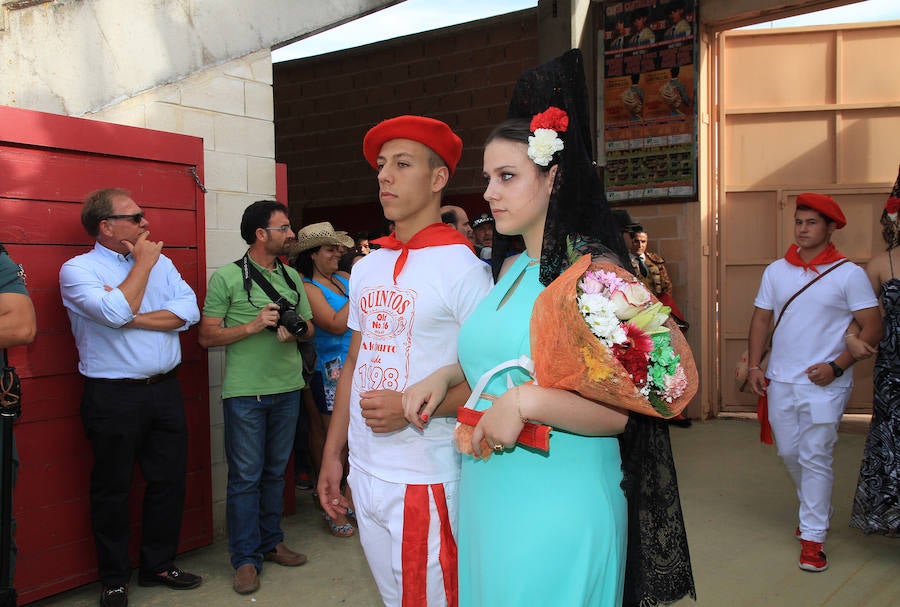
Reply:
x=293 y=323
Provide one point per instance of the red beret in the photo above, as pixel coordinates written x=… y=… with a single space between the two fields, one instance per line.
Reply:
x=825 y=205
x=427 y=131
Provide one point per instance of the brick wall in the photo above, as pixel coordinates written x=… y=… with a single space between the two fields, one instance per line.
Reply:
x=463 y=75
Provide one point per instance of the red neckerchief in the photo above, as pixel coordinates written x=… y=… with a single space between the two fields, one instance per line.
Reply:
x=435 y=235
x=829 y=255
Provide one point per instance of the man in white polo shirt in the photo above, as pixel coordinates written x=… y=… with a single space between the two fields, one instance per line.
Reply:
x=809 y=376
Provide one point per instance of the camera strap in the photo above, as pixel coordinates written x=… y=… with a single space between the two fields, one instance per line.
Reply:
x=250 y=272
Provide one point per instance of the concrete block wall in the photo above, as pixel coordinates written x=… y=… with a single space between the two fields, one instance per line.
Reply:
x=231 y=107
x=324 y=105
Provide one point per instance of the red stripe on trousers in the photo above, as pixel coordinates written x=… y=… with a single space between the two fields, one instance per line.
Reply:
x=448 y=547
x=414 y=552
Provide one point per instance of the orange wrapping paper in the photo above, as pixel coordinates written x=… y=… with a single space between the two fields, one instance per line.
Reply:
x=568 y=356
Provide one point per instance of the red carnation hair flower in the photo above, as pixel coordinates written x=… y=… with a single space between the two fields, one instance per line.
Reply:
x=552 y=118
x=892 y=205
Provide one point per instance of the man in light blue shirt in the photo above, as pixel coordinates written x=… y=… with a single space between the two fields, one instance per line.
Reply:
x=127 y=303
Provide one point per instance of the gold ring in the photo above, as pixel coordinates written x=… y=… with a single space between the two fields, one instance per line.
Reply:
x=498 y=447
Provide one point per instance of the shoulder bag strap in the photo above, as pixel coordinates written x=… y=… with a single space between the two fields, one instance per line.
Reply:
x=768 y=345
x=805 y=287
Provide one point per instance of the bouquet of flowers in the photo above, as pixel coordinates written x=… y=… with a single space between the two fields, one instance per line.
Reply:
x=598 y=331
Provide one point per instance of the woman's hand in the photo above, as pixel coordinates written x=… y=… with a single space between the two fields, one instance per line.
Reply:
x=422 y=398
x=860 y=349
x=501 y=424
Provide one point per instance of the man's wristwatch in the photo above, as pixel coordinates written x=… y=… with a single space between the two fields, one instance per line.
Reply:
x=837 y=370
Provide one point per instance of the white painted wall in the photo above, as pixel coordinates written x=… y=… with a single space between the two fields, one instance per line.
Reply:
x=74 y=57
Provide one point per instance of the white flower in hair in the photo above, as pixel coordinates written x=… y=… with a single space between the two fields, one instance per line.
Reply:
x=542 y=145
x=545 y=142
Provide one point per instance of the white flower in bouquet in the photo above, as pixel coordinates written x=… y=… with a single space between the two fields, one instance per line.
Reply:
x=629 y=299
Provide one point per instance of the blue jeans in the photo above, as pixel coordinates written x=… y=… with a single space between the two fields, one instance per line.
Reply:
x=259 y=437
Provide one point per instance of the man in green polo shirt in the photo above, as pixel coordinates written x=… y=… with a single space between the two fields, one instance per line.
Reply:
x=261 y=391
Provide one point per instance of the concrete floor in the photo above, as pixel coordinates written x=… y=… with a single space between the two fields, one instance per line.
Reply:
x=740 y=516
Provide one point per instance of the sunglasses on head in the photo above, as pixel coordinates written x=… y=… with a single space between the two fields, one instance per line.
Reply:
x=135 y=217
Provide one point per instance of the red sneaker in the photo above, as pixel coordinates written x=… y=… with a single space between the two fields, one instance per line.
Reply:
x=811 y=556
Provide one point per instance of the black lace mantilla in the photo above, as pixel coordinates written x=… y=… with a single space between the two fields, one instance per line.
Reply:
x=658 y=563
x=578 y=202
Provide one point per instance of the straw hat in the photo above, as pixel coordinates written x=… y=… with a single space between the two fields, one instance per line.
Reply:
x=317 y=234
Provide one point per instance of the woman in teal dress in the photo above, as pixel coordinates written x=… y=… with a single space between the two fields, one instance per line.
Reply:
x=532 y=530
x=552 y=528
x=535 y=528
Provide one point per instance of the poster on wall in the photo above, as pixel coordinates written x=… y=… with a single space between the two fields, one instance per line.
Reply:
x=648 y=110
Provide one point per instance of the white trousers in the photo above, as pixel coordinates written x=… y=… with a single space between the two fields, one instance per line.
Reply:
x=408 y=534
x=805 y=421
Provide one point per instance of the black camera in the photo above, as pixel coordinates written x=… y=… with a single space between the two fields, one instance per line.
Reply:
x=288 y=317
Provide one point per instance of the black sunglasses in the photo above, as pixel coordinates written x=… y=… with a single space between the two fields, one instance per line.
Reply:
x=135 y=217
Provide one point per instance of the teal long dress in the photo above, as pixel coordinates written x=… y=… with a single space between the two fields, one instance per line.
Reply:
x=535 y=529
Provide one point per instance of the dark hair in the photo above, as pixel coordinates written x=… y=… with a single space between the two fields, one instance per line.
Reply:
x=518 y=130
x=97 y=206
x=803 y=207
x=674 y=71
x=303 y=262
x=449 y=217
x=257 y=215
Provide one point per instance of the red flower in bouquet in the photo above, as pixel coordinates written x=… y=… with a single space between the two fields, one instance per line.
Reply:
x=632 y=353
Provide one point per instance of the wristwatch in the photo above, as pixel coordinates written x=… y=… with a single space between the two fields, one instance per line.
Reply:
x=837 y=370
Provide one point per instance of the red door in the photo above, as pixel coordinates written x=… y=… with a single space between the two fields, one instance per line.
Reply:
x=48 y=163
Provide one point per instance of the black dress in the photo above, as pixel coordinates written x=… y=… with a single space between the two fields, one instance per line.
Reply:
x=876 y=507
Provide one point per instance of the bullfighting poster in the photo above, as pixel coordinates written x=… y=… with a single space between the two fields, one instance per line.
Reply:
x=648 y=103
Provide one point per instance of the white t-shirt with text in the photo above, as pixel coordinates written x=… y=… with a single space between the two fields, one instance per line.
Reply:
x=408 y=330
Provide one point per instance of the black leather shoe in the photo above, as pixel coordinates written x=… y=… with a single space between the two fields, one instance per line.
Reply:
x=114 y=596
x=173 y=578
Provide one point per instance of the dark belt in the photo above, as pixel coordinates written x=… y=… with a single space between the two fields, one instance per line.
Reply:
x=146 y=381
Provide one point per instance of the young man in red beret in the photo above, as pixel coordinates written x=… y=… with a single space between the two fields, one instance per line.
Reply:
x=408 y=300
x=809 y=379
